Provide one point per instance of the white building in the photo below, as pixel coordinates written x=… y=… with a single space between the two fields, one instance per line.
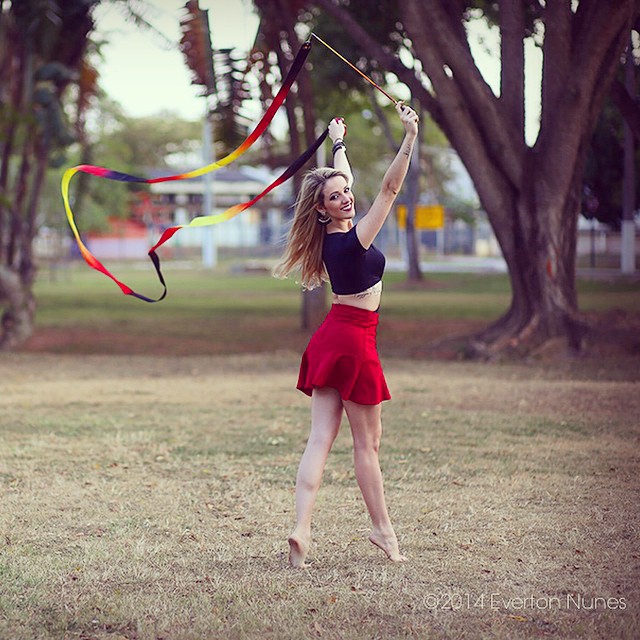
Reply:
x=179 y=201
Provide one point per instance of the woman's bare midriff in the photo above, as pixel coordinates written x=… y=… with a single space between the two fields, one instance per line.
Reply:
x=368 y=299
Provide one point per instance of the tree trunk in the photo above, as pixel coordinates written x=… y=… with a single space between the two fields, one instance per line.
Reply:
x=531 y=195
x=19 y=309
x=542 y=275
x=18 y=274
x=412 y=192
x=12 y=113
x=314 y=301
x=279 y=25
x=314 y=308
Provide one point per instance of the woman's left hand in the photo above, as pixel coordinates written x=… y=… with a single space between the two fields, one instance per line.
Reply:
x=337 y=129
x=408 y=117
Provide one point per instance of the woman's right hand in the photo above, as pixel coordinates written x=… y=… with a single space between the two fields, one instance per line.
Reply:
x=337 y=129
x=408 y=117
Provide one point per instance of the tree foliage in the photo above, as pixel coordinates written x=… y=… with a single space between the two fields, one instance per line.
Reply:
x=131 y=145
x=230 y=122
x=602 y=196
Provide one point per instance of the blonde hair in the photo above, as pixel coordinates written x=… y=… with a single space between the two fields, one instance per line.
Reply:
x=303 y=252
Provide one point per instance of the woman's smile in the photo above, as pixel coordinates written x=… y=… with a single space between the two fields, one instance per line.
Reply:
x=338 y=199
x=347 y=207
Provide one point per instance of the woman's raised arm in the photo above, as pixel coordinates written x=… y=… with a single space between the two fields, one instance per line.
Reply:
x=337 y=132
x=370 y=225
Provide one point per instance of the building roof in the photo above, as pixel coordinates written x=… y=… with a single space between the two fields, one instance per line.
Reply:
x=224 y=174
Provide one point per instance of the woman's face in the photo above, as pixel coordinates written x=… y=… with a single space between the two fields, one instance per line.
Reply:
x=337 y=200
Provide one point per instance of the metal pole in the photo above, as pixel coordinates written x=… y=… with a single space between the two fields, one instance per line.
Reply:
x=209 y=246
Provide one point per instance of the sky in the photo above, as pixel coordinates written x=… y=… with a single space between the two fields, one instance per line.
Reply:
x=146 y=76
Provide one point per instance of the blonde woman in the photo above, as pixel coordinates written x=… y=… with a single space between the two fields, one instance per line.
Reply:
x=340 y=368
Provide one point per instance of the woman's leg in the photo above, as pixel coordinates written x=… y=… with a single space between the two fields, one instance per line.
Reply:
x=326 y=415
x=366 y=429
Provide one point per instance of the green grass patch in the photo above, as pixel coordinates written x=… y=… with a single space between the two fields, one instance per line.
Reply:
x=81 y=296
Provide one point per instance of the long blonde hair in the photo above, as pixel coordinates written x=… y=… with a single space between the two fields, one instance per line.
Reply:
x=303 y=252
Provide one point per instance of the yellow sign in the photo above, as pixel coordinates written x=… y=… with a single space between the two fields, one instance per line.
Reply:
x=427 y=216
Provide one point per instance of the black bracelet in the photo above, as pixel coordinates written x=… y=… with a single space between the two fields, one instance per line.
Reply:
x=338 y=144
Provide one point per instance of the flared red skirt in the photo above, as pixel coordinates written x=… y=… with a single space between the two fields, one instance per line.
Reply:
x=343 y=354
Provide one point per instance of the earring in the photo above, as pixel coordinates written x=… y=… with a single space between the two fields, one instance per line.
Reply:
x=324 y=219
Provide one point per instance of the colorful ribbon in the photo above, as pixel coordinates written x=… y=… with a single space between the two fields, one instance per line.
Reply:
x=200 y=221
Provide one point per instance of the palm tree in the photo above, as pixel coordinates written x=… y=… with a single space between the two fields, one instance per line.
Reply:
x=277 y=34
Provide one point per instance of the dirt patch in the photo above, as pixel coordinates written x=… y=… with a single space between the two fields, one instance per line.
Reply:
x=614 y=334
x=82 y=340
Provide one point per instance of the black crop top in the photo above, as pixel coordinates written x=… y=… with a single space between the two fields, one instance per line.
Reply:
x=351 y=267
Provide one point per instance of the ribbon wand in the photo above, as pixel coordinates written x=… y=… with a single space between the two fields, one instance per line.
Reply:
x=364 y=75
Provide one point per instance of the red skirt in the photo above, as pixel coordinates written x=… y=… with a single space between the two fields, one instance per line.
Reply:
x=342 y=354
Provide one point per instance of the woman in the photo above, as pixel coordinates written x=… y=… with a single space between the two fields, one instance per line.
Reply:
x=340 y=368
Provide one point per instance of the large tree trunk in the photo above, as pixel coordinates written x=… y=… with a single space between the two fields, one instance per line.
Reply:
x=539 y=233
x=542 y=273
x=17 y=276
x=531 y=195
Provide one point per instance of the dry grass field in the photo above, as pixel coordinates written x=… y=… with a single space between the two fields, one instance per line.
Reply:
x=146 y=497
x=148 y=456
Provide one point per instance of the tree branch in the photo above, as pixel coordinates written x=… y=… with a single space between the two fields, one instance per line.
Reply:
x=512 y=67
x=447 y=109
x=387 y=61
x=429 y=17
x=476 y=153
x=598 y=46
x=557 y=60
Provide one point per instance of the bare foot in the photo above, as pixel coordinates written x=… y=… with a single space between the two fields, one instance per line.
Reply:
x=389 y=544
x=298 y=549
